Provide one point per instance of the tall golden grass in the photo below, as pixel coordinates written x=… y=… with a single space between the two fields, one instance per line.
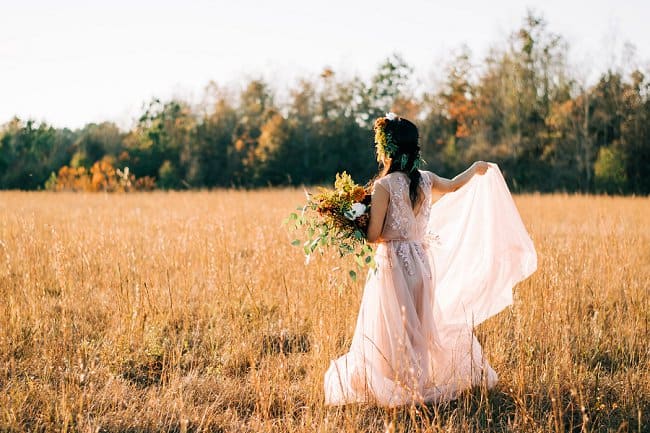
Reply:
x=192 y=312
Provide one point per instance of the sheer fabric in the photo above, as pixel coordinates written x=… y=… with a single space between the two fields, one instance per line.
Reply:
x=440 y=271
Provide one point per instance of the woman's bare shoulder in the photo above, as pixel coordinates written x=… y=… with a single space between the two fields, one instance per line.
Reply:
x=383 y=182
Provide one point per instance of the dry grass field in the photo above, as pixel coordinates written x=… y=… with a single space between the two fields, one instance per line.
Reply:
x=192 y=312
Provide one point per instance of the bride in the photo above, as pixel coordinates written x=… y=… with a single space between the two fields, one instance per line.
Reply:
x=441 y=269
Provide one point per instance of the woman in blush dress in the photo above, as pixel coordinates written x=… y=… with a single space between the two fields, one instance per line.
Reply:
x=442 y=269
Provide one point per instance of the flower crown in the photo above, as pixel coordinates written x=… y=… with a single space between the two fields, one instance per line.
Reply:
x=386 y=146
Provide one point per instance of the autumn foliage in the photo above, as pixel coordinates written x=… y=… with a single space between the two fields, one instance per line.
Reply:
x=521 y=106
x=102 y=176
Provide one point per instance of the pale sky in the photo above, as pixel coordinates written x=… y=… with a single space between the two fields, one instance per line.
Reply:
x=70 y=62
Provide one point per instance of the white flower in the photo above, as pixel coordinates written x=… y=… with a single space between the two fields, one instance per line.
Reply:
x=391 y=116
x=359 y=208
x=355 y=211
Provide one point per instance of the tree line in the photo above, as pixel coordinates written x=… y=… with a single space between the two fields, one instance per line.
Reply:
x=521 y=106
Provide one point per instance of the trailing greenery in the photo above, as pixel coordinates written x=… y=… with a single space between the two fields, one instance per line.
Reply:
x=335 y=218
x=521 y=107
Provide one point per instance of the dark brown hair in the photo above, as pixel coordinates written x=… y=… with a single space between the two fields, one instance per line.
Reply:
x=405 y=135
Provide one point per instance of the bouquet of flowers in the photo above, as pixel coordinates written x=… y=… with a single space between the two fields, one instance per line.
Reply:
x=336 y=218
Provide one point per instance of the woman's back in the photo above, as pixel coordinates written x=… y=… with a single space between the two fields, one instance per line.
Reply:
x=403 y=221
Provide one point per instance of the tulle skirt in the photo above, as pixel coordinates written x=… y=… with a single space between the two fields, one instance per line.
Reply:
x=398 y=355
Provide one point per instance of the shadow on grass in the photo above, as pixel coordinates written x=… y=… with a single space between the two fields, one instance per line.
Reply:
x=496 y=410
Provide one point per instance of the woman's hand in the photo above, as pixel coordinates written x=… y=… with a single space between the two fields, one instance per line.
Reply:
x=440 y=185
x=480 y=167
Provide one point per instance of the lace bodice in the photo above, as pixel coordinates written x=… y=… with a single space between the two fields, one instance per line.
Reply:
x=402 y=222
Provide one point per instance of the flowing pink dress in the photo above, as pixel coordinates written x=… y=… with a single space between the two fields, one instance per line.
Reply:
x=440 y=272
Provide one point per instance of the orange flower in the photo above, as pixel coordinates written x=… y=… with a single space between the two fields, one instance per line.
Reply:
x=358 y=194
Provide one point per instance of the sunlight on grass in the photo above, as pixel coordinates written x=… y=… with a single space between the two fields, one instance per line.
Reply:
x=192 y=312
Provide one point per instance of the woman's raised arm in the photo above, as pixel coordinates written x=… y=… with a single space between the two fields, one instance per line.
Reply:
x=442 y=185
